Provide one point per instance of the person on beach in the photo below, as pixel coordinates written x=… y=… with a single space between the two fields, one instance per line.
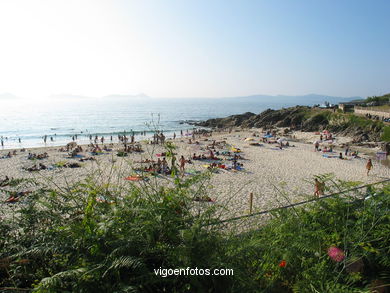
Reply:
x=235 y=161
x=174 y=135
x=318 y=187
x=182 y=164
x=164 y=165
x=316 y=146
x=341 y=156
x=346 y=150
x=159 y=166
x=369 y=166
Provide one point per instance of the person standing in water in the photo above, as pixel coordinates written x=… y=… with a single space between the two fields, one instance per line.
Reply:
x=369 y=166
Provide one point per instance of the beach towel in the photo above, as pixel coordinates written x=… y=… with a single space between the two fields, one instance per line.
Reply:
x=136 y=178
x=12 y=199
x=76 y=156
x=97 y=153
x=330 y=156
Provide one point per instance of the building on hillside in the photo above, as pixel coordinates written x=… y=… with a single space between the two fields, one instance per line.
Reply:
x=349 y=106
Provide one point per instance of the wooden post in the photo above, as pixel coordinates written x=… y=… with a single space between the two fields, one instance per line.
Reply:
x=250 y=202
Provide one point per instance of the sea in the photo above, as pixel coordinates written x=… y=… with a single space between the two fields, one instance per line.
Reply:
x=24 y=123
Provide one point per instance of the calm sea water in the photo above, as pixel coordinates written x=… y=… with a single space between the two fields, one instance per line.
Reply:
x=61 y=119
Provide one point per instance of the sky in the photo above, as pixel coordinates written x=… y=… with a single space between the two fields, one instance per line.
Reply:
x=212 y=48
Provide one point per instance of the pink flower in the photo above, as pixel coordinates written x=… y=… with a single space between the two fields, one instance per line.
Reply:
x=336 y=253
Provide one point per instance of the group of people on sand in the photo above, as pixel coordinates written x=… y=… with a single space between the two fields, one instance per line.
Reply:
x=32 y=156
x=158 y=138
x=161 y=166
x=9 y=155
x=211 y=156
x=328 y=136
x=133 y=148
x=14 y=195
x=78 y=149
x=37 y=167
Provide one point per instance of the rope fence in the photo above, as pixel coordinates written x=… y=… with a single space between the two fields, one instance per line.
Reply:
x=265 y=212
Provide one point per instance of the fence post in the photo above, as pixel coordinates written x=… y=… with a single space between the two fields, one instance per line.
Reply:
x=250 y=202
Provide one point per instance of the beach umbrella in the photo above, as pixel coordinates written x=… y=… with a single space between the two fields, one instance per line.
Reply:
x=249 y=139
x=282 y=139
x=317 y=141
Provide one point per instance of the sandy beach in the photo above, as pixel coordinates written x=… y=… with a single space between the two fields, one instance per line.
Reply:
x=266 y=171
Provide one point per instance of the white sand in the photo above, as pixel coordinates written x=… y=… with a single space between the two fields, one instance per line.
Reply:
x=267 y=171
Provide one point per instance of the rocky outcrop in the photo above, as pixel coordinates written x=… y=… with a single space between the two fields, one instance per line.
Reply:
x=301 y=118
x=280 y=118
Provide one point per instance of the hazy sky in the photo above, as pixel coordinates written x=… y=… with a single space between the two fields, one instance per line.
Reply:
x=194 y=48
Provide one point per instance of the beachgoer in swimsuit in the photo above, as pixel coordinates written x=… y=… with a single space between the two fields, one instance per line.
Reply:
x=316 y=146
x=182 y=164
x=318 y=188
x=369 y=166
x=164 y=164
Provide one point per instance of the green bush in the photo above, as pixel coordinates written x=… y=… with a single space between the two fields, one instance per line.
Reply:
x=68 y=241
x=386 y=134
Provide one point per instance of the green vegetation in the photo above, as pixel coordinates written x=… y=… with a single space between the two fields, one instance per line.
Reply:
x=95 y=237
x=381 y=99
x=386 y=134
x=350 y=124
